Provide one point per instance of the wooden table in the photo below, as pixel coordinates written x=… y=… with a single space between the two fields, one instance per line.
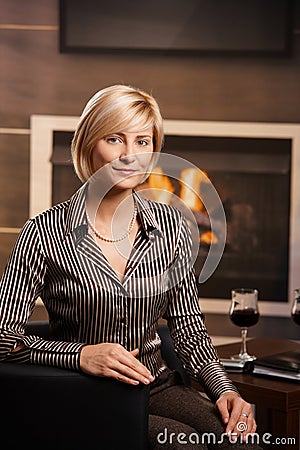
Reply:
x=277 y=403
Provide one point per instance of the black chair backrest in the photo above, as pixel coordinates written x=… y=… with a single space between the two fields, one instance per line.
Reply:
x=169 y=355
x=50 y=408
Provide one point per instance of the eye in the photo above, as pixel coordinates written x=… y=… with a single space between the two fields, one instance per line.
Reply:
x=143 y=142
x=113 y=139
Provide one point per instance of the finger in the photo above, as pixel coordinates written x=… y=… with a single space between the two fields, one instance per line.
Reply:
x=132 y=373
x=241 y=417
x=235 y=417
x=222 y=405
x=130 y=360
x=119 y=353
x=114 y=357
x=128 y=365
x=134 y=352
x=122 y=378
x=251 y=427
x=148 y=374
x=122 y=372
x=246 y=425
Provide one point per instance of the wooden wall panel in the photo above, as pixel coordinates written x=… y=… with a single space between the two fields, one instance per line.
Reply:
x=14 y=180
x=29 y=12
x=38 y=79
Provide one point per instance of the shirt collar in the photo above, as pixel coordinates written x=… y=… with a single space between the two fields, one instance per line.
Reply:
x=148 y=221
x=76 y=220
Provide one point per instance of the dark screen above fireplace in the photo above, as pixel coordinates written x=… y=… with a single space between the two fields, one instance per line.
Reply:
x=232 y=27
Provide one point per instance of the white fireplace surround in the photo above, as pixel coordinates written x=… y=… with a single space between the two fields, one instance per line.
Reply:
x=41 y=148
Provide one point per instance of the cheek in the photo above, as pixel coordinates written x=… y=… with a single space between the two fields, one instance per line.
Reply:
x=97 y=160
x=102 y=156
x=145 y=160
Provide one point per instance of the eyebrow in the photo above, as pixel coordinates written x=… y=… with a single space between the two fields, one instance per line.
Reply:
x=138 y=136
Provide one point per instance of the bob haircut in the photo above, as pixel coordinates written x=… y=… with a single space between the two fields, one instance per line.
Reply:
x=116 y=108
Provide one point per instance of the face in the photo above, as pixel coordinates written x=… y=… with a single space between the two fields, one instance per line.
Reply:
x=125 y=156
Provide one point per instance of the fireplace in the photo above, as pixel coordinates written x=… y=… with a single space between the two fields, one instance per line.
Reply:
x=255 y=169
x=252 y=177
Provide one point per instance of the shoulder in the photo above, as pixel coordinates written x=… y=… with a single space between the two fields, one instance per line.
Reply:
x=72 y=207
x=56 y=212
x=36 y=228
x=50 y=224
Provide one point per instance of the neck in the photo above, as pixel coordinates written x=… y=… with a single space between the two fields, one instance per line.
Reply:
x=103 y=210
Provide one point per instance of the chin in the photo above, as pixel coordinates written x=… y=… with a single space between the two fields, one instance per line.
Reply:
x=129 y=182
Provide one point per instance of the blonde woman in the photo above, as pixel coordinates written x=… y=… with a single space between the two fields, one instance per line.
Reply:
x=108 y=265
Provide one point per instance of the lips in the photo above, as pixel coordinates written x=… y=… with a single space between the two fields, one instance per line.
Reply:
x=126 y=170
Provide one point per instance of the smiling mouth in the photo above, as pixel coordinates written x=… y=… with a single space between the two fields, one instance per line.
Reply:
x=126 y=171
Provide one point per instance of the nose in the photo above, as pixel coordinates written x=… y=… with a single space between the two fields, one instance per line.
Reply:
x=127 y=158
x=128 y=153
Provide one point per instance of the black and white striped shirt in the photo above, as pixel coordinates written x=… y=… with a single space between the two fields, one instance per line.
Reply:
x=57 y=259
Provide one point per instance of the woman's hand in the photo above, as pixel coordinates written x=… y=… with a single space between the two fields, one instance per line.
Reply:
x=237 y=415
x=113 y=360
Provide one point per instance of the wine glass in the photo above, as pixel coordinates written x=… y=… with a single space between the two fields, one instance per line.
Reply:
x=244 y=313
x=295 y=312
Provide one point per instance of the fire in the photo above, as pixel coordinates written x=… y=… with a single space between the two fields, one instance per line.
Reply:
x=209 y=238
x=191 y=180
x=160 y=185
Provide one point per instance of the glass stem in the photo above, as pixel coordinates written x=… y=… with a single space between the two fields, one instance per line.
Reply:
x=244 y=332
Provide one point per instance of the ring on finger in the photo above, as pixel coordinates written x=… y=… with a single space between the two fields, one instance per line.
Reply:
x=245 y=415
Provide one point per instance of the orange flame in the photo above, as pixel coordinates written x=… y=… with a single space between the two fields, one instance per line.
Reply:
x=191 y=180
x=208 y=238
x=160 y=185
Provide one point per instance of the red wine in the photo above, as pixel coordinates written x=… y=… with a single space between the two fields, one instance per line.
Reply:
x=244 y=317
x=296 y=317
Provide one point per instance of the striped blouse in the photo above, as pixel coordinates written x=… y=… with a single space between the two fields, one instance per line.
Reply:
x=57 y=259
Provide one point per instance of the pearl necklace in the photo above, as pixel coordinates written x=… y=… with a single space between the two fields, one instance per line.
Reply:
x=107 y=239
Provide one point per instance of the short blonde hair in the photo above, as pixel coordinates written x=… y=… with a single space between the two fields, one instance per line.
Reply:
x=113 y=109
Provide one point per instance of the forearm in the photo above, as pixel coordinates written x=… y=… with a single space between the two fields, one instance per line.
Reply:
x=33 y=350
x=215 y=381
x=9 y=343
x=65 y=355
x=194 y=346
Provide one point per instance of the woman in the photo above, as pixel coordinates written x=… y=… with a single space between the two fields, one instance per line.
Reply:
x=108 y=264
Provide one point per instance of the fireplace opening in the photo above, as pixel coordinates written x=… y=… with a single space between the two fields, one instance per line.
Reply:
x=252 y=178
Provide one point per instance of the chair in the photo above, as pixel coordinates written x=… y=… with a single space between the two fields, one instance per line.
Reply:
x=168 y=353
x=50 y=408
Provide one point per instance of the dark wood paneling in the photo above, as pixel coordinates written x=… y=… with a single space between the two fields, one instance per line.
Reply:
x=40 y=80
x=14 y=180
x=30 y=12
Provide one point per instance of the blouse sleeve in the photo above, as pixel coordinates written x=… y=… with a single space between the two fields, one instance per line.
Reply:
x=192 y=343
x=21 y=284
